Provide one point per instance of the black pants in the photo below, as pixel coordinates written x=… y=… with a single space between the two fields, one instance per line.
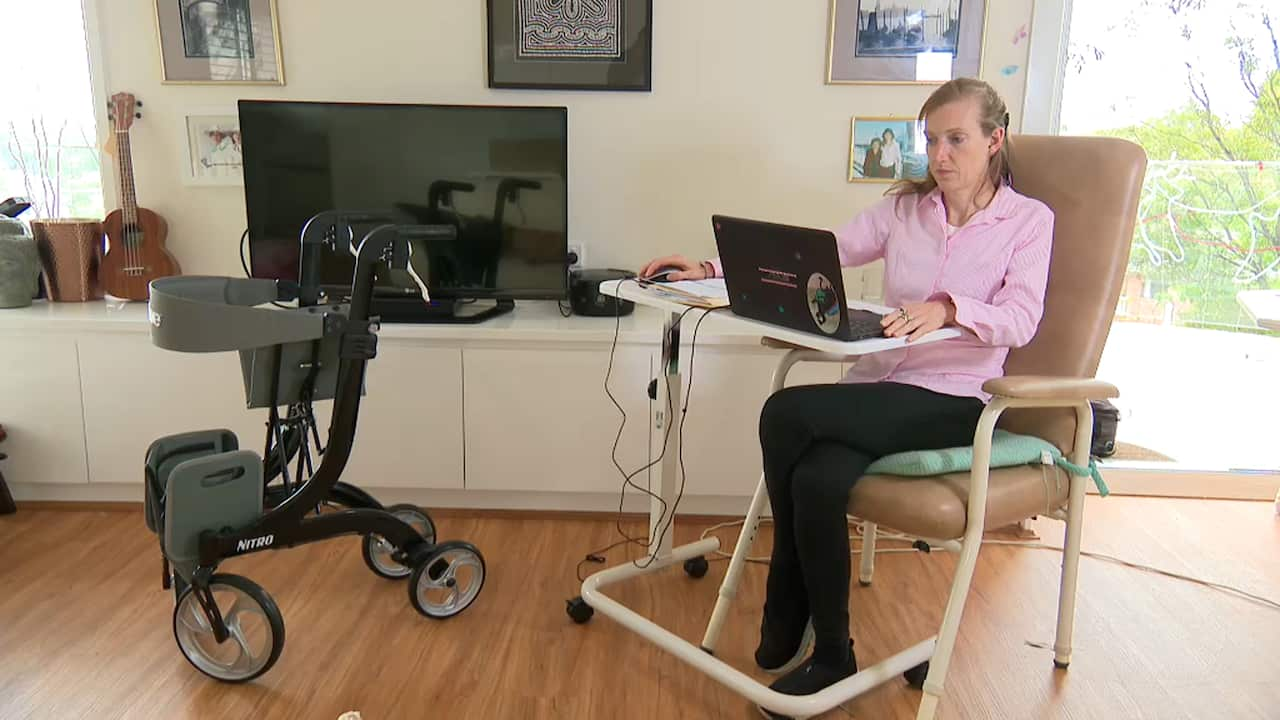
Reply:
x=817 y=440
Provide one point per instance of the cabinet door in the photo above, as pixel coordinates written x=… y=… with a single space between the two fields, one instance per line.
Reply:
x=407 y=435
x=135 y=392
x=540 y=419
x=40 y=409
x=721 y=434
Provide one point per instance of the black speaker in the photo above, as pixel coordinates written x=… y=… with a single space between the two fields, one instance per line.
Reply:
x=585 y=297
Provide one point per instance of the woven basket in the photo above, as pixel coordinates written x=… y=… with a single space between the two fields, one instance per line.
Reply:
x=70 y=252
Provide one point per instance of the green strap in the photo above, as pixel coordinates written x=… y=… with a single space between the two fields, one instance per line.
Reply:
x=1091 y=471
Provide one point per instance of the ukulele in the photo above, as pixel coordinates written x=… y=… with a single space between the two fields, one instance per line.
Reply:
x=136 y=254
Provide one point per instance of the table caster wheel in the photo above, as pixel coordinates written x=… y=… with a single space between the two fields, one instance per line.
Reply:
x=579 y=610
x=916 y=675
x=696 y=567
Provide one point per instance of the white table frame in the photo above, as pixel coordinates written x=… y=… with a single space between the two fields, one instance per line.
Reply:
x=1263 y=306
x=662 y=555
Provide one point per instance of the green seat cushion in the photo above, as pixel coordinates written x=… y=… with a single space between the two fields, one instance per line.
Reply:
x=1007 y=450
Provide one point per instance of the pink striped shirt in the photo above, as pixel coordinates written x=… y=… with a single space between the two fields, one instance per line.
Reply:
x=994 y=269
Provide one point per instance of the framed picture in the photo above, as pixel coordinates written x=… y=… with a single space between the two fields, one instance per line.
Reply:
x=219 y=41
x=917 y=42
x=213 y=150
x=887 y=149
x=571 y=44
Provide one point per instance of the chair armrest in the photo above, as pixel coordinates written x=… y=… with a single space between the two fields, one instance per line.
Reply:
x=1050 y=387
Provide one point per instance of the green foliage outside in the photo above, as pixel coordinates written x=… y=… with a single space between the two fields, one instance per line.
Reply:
x=1209 y=219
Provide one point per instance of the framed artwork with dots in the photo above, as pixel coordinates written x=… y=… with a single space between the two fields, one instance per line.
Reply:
x=570 y=44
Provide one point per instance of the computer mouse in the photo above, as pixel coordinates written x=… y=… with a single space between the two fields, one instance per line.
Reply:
x=662 y=273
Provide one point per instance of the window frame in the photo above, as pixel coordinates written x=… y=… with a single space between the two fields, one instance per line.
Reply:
x=99 y=88
x=1046 y=66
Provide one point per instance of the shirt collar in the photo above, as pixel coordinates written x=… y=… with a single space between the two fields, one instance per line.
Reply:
x=1003 y=205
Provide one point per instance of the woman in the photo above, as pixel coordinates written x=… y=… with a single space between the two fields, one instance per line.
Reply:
x=871 y=163
x=961 y=248
x=890 y=156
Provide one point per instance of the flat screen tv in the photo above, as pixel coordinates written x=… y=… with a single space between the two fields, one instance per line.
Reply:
x=497 y=174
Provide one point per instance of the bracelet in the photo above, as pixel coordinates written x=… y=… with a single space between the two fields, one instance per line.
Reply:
x=708 y=270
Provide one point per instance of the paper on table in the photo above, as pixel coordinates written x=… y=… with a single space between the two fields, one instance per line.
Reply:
x=709 y=293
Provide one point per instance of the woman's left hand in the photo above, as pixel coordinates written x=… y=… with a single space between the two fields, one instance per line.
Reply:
x=915 y=320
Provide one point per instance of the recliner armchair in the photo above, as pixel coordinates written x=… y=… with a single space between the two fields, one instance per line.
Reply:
x=1092 y=184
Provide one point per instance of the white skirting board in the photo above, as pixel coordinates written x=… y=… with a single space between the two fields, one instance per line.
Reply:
x=1225 y=486
x=472 y=499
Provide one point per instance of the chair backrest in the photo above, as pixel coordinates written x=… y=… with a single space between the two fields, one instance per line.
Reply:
x=1092 y=184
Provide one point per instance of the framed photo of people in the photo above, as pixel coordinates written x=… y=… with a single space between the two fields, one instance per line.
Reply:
x=887 y=149
x=219 y=42
x=925 y=42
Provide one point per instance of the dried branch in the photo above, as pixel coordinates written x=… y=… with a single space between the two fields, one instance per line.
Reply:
x=1246 y=77
x=1201 y=94
x=19 y=157
x=93 y=155
x=40 y=165
x=42 y=160
x=57 y=195
x=1275 y=48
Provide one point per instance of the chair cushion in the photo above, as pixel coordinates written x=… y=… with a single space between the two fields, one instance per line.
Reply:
x=936 y=507
x=1007 y=449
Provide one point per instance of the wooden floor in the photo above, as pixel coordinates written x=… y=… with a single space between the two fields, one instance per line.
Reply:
x=85 y=629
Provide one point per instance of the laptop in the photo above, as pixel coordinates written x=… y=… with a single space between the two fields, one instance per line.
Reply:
x=789 y=276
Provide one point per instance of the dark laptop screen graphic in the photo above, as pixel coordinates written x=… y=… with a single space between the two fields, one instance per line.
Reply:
x=788 y=276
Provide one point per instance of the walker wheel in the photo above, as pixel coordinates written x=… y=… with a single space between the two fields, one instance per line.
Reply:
x=579 y=610
x=916 y=675
x=377 y=550
x=448 y=580
x=696 y=567
x=252 y=618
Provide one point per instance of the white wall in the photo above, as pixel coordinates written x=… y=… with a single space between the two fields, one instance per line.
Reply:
x=739 y=120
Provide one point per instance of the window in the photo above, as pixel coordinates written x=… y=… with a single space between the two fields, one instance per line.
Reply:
x=48 y=133
x=1197 y=84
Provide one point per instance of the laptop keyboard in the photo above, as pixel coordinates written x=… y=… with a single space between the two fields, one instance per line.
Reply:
x=864 y=324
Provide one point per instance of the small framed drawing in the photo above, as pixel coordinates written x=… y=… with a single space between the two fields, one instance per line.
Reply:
x=916 y=42
x=213 y=150
x=571 y=44
x=219 y=41
x=887 y=149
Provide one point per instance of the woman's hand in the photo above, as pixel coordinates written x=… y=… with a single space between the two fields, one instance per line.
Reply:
x=915 y=320
x=685 y=269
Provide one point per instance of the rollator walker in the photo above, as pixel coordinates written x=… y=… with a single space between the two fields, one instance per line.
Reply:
x=208 y=500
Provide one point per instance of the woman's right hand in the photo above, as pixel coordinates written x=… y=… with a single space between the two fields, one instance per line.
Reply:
x=685 y=269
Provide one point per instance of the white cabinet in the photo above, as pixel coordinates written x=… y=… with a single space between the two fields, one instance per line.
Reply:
x=408 y=432
x=135 y=392
x=538 y=419
x=721 y=428
x=486 y=409
x=40 y=409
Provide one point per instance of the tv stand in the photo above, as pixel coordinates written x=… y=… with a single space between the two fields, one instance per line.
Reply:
x=444 y=310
